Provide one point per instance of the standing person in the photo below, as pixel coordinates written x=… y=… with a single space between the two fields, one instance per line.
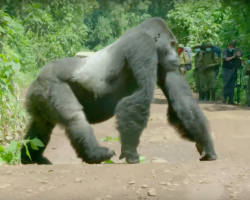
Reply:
x=229 y=72
x=183 y=59
x=198 y=71
x=209 y=60
x=248 y=73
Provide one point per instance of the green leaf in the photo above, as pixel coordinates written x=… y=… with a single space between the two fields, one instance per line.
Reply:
x=27 y=151
x=37 y=142
x=106 y=139
x=109 y=162
x=1 y=149
x=1 y=160
x=12 y=147
x=33 y=146
x=116 y=139
x=142 y=159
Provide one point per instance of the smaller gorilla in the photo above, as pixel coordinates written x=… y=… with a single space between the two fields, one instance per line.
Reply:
x=117 y=80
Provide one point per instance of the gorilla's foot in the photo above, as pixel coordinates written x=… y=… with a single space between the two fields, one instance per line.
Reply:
x=131 y=158
x=99 y=155
x=205 y=155
x=40 y=160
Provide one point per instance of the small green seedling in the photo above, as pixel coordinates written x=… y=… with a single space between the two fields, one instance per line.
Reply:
x=12 y=153
x=109 y=139
x=142 y=159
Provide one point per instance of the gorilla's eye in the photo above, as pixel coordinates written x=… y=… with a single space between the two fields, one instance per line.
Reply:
x=157 y=36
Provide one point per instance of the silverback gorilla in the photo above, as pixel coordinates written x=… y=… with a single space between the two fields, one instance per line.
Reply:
x=117 y=80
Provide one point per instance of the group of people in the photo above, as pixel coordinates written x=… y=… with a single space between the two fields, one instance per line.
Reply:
x=206 y=70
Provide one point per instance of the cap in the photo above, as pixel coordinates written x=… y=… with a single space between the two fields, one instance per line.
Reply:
x=181 y=45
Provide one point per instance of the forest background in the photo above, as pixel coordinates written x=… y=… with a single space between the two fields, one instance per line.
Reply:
x=34 y=32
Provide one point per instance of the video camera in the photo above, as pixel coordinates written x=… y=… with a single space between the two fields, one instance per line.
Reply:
x=238 y=58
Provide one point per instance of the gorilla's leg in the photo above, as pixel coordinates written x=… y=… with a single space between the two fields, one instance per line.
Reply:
x=132 y=112
x=70 y=114
x=186 y=116
x=42 y=130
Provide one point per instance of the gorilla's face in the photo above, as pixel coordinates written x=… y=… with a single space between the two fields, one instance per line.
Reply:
x=167 y=57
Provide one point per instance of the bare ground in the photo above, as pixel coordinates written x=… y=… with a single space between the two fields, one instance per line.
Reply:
x=172 y=169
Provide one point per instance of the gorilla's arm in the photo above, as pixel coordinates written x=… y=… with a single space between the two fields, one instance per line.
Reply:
x=185 y=115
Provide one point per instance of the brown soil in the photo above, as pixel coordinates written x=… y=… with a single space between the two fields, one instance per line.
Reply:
x=172 y=169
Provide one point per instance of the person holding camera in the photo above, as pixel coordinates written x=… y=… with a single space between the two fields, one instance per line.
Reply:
x=248 y=73
x=208 y=61
x=229 y=72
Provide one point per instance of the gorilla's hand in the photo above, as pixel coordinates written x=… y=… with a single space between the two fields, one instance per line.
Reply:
x=205 y=155
x=130 y=155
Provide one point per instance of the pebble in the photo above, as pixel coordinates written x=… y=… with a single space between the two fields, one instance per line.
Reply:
x=168 y=171
x=78 y=180
x=158 y=160
x=144 y=186
x=29 y=191
x=151 y=192
x=44 y=182
x=131 y=182
x=169 y=184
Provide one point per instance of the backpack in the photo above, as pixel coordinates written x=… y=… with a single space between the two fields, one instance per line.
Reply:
x=217 y=50
x=189 y=53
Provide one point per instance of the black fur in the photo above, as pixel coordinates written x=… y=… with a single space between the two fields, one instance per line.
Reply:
x=123 y=86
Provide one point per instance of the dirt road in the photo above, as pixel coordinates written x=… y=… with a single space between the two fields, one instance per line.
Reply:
x=171 y=170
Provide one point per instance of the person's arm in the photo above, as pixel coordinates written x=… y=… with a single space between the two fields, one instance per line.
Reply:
x=215 y=61
x=225 y=58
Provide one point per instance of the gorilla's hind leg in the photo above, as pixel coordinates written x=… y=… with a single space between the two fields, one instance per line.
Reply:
x=42 y=131
x=70 y=114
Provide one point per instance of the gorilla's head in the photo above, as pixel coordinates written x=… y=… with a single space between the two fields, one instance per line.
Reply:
x=165 y=42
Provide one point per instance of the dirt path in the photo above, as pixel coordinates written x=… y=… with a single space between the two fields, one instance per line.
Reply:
x=178 y=175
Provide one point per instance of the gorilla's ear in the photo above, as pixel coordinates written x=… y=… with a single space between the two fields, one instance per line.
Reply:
x=157 y=36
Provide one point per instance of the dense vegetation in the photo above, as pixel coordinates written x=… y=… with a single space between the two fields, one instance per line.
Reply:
x=33 y=33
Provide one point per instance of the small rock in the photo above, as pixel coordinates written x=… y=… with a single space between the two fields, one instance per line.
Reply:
x=109 y=197
x=162 y=183
x=131 y=182
x=158 y=160
x=169 y=184
x=168 y=171
x=152 y=192
x=8 y=172
x=78 y=180
x=29 y=191
x=144 y=186
x=44 y=182
x=176 y=184
x=185 y=182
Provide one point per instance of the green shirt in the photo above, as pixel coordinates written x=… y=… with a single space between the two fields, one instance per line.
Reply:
x=197 y=62
x=207 y=60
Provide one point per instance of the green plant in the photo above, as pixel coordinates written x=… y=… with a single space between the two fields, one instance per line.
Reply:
x=12 y=155
x=109 y=139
